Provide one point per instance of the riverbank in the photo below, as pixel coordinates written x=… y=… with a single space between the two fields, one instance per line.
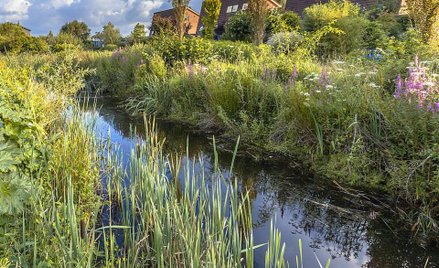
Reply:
x=346 y=225
x=340 y=118
x=68 y=198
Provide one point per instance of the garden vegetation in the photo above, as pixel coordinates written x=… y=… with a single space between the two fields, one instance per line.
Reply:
x=352 y=95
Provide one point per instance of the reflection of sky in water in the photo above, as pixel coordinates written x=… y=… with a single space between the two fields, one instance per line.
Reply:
x=329 y=223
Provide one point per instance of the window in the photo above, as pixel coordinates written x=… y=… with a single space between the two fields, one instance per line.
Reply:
x=235 y=8
x=244 y=6
x=229 y=9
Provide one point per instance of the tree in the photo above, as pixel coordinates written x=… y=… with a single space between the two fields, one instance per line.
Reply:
x=78 y=29
x=50 y=39
x=211 y=10
x=14 y=39
x=425 y=14
x=180 y=16
x=138 y=34
x=110 y=34
x=259 y=11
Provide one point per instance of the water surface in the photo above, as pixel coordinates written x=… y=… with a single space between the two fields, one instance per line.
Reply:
x=331 y=223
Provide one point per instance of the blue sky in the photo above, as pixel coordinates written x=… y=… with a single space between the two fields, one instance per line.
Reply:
x=43 y=15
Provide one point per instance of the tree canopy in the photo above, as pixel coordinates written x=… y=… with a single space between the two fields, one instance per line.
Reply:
x=138 y=34
x=77 y=28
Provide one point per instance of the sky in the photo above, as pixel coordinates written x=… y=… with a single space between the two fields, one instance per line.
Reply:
x=41 y=16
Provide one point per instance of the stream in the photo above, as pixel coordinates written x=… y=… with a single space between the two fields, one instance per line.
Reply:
x=331 y=222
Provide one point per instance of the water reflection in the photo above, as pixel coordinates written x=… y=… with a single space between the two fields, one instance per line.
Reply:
x=331 y=224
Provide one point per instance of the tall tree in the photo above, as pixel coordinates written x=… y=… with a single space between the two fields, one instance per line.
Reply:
x=259 y=12
x=78 y=29
x=180 y=16
x=110 y=34
x=424 y=14
x=138 y=34
x=211 y=10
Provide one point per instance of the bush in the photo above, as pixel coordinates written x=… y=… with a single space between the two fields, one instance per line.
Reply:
x=238 y=27
x=279 y=22
x=13 y=39
x=352 y=38
x=319 y=15
x=285 y=42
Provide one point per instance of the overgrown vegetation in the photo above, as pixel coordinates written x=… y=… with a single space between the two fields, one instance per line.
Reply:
x=325 y=95
x=64 y=200
x=352 y=94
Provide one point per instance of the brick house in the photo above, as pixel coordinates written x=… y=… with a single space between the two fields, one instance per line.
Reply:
x=299 y=6
x=191 y=16
x=229 y=8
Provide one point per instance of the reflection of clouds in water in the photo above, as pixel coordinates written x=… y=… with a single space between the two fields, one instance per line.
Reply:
x=305 y=209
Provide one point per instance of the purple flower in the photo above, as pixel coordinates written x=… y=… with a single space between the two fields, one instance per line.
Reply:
x=293 y=76
x=399 y=90
x=324 y=77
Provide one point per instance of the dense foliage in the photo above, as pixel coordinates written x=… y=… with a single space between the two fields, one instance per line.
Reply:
x=14 y=39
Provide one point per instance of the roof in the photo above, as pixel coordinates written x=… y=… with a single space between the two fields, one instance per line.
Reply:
x=274 y=2
x=169 y=12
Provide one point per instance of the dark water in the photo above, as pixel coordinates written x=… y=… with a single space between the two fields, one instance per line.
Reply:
x=332 y=224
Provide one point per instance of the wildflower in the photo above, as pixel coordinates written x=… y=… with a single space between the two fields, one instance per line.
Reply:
x=324 y=78
x=293 y=76
x=399 y=90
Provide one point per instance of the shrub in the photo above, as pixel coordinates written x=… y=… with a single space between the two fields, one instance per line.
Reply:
x=238 y=28
x=278 y=22
x=285 y=42
x=319 y=15
x=13 y=39
x=353 y=37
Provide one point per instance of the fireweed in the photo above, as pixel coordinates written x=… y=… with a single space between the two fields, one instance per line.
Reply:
x=420 y=87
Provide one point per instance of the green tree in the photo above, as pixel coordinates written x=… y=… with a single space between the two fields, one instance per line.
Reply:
x=78 y=29
x=180 y=16
x=14 y=39
x=50 y=39
x=211 y=10
x=110 y=34
x=138 y=34
x=425 y=15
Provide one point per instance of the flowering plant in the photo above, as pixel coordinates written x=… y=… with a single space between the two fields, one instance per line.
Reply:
x=421 y=87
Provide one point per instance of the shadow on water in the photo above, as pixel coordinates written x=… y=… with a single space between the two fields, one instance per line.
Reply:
x=330 y=222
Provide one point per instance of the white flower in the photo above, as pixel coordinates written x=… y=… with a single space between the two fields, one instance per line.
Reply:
x=374 y=85
x=359 y=74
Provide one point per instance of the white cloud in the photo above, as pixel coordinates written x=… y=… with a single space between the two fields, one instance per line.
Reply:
x=44 y=15
x=61 y=3
x=13 y=10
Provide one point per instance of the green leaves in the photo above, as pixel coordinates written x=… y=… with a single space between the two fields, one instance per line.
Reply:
x=8 y=157
x=14 y=191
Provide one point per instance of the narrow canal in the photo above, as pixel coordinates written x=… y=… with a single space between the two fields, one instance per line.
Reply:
x=331 y=222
